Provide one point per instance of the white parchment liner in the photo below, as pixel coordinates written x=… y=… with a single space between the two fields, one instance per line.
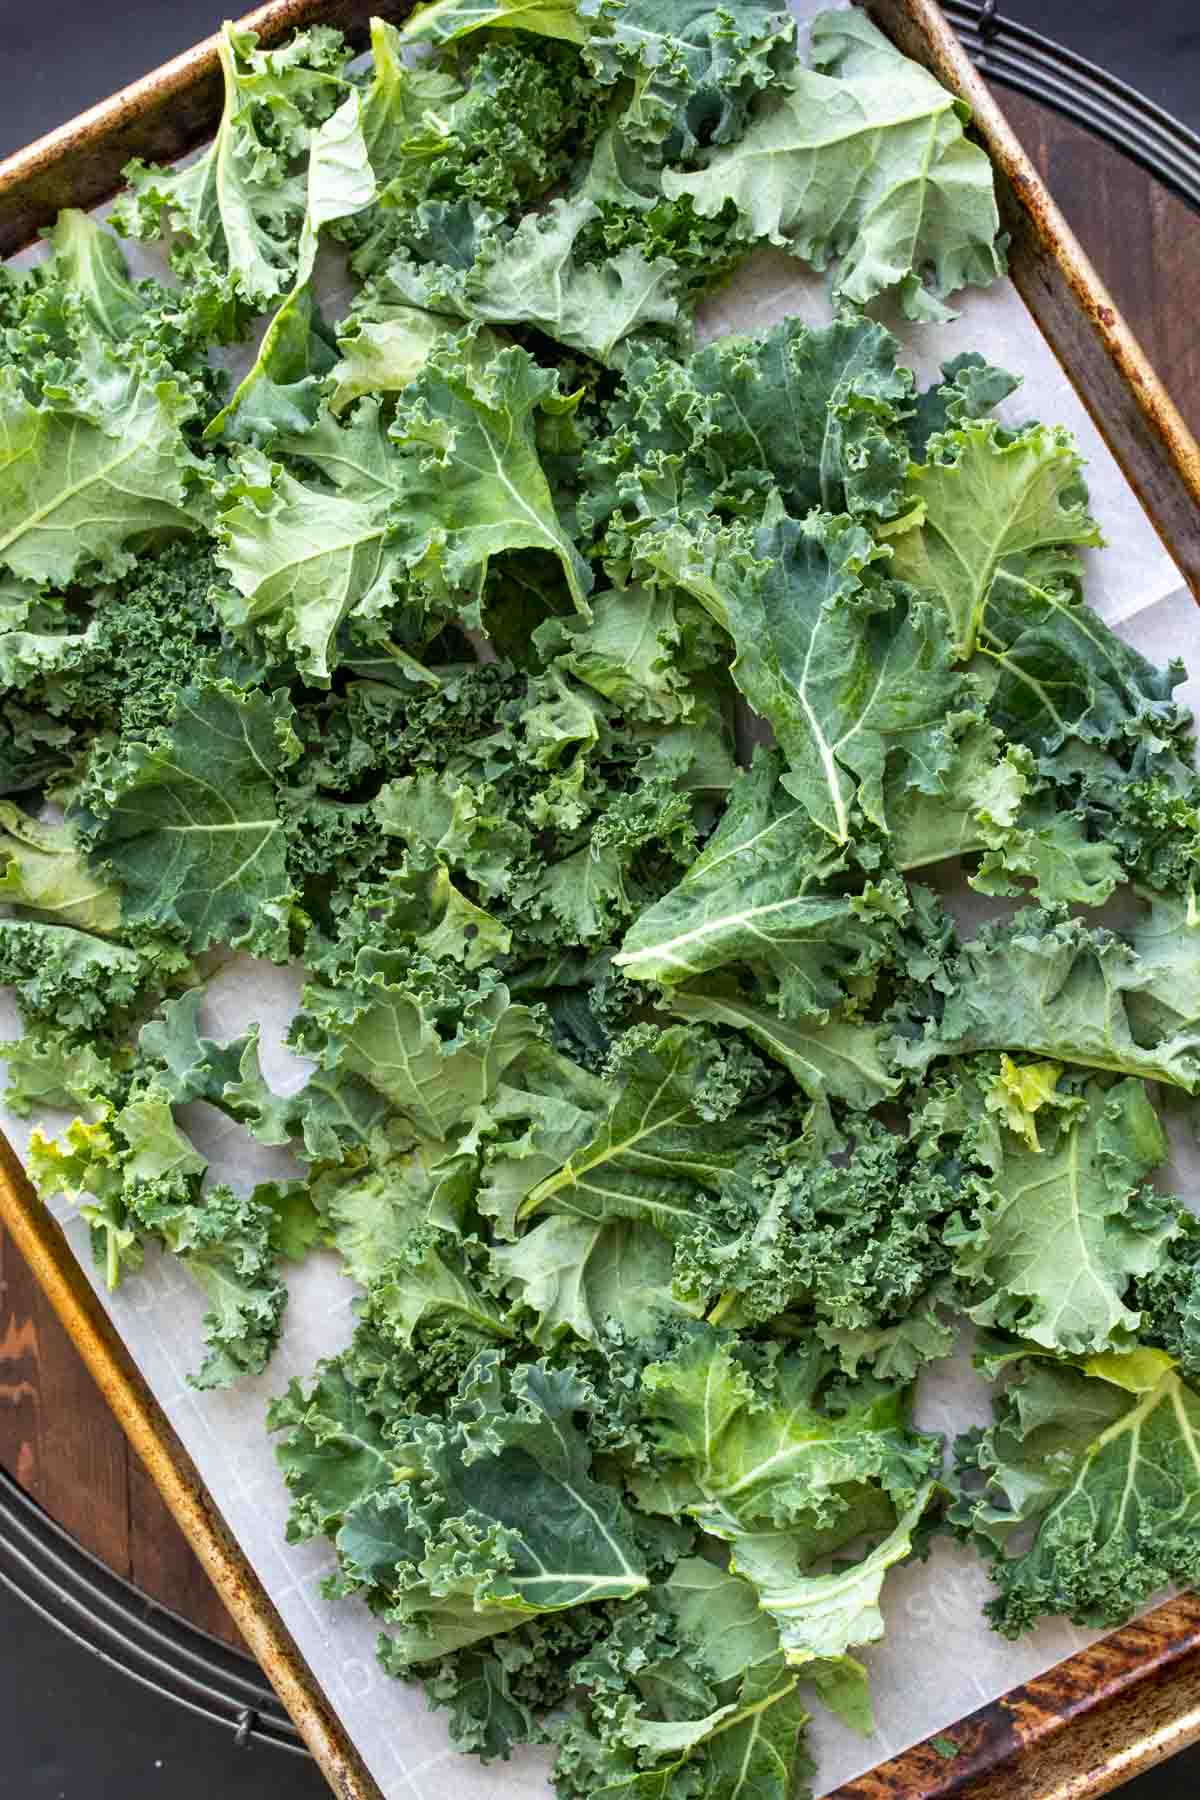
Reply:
x=939 y=1659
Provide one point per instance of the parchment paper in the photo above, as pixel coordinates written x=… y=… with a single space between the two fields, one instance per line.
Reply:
x=939 y=1659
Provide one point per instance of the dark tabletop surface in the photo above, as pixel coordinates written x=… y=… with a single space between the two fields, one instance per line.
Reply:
x=72 y=1728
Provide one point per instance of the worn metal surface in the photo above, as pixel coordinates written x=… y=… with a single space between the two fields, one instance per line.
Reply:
x=1082 y=1728
x=1077 y=1731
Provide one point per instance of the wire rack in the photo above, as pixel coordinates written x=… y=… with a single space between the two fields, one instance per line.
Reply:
x=39 y=1561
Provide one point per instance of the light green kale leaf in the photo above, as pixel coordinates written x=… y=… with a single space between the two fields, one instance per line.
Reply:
x=90 y=479
x=768 y=891
x=472 y=483
x=1100 y=1462
x=280 y=392
x=1166 y=941
x=837 y=1056
x=822 y=1616
x=399 y=98
x=863 y=157
x=382 y=353
x=744 y=1449
x=188 y=824
x=1061 y=1229
x=142 y=1178
x=236 y=209
x=435 y=1048
x=301 y=557
x=1054 y=988
x=987 y=506
x=579 y=1276
x=694 y=66
x=686 y=1695
x=94 y=273
x=534 y=276
x=642 y=649
x=46 y=871
x=444 y=20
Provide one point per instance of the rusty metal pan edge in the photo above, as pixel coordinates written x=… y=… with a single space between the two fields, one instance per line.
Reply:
x=55 y=1267
x=1100 y=1716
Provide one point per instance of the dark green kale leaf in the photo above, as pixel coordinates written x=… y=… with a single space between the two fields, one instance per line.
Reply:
x=843 y=1230
x=139 y=647
x=460 y=1528
x=187 y=823
x=815 y=413
x=501 y=129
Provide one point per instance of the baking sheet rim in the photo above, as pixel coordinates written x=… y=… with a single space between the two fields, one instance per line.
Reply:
x=1093 y=1720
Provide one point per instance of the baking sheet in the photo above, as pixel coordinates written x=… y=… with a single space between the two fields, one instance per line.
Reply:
x=939 y=1660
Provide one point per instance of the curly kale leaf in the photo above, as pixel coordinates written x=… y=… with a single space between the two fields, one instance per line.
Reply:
x=501 y=130
x=460 y=1528
x=784 y=1474
x=838 y=1055
x=280 y=393
x=94 y=473
x=302 y=556
x=830 y=161
x=443 y=21
x=990 y=506
x=1168 y=1298
x=816 y=413
x=188 y=823
x=45 y=872
x=1099 y=1463
x=579 y=1277
x=431 y=1038
x=471 y=481
x=667 y=1140
x=67 y=979
x=534 y=276
x=1059 y=1229
x=498 y=1694
x=843 y=666
x=1053 y=987
x=328 y=1114
x=1065 y=679
x=143 y=1179
x=681 y=1702
x=846 y=1231
x=771 y=892
x=234 y=213
x=140 y=646
x=970 y=388
x=696 y=70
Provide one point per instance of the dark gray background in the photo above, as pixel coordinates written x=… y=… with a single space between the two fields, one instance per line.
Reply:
x=72 y=1729
x=62 y=55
